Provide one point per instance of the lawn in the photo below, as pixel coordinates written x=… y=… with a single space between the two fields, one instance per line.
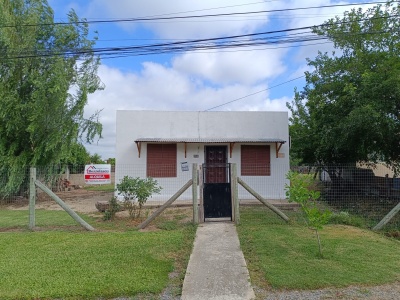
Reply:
x=43 y=218
x=284 y=256
x=65 y=264
x=120 y=261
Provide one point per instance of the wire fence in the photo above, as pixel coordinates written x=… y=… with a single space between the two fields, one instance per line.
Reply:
x=361 y=191
x=357 y=195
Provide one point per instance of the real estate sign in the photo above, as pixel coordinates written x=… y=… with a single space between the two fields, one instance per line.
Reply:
x=97 y=174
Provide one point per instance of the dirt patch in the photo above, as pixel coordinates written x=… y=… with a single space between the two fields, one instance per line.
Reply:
x=79 y=200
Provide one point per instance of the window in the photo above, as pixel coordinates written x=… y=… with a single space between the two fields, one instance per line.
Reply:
x=161 y=160
x=255 y=160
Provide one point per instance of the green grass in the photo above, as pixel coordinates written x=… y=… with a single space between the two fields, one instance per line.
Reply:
x=43 y=218
x=284 y=256
x=65 y=264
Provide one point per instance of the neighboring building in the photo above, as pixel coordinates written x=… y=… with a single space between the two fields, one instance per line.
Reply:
x=165 y=144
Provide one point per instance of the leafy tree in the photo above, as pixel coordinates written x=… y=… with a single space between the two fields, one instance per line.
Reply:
x=111 y=161
x=96 y=159
x=348 y=110
x=47 y=71
x=78 y=158
x=79 y=155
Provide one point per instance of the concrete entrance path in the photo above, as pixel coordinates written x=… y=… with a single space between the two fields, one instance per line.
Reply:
x=217 y=269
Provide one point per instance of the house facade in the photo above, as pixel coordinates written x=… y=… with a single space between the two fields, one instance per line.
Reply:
x=165 y=144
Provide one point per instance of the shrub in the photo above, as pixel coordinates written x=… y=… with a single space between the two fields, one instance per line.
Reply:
x=113 y=208
x=136 y=191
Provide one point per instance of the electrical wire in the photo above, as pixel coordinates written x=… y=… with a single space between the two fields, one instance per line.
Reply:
x=241 y=41
x=142 y=19
x=221 y=43
x=229 y=102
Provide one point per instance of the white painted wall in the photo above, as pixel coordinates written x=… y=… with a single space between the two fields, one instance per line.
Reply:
x=132 y=125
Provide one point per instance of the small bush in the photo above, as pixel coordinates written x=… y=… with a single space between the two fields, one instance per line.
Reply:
x=136 y=191
x=113 y=208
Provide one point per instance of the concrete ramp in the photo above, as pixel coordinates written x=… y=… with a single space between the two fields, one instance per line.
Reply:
x=217 y=269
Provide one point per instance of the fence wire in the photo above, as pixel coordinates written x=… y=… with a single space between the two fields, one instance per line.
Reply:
x=357 y=195
x=360 y=194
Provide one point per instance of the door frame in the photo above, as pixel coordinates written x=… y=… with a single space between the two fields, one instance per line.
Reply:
x=216 y=189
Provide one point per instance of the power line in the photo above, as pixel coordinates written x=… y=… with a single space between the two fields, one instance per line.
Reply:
x=295 y=36
x=213 y=8
x=229 y=102
x=142 y=19
x=178 y=47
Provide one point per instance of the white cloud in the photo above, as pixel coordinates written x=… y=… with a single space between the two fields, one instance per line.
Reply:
x=311 y=17
x=157 y=87
x=300 y=70
x=201 y=27
x=271 y=105
x=244 y=67
x=199 y=81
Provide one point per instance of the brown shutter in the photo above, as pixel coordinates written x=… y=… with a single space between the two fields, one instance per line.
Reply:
x=161 y=160
x=255 y=160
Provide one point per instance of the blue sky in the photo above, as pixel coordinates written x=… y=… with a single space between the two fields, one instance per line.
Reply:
x=196 y=81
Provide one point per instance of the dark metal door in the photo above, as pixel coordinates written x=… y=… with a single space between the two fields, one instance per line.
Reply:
x=216 y=164
x=217 y=188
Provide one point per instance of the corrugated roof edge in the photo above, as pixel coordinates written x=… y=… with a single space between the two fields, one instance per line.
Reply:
x=209 y=140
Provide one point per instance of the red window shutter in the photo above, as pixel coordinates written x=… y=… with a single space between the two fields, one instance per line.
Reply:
x=255 y=160
x=161 y=160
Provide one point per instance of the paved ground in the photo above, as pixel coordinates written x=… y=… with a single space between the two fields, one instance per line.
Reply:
x=217 y=269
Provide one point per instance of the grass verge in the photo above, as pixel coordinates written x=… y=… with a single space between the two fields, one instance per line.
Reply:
x=90 y=265
x=284 y=256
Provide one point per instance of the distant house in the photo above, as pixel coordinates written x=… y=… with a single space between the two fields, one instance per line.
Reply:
x=165 y=144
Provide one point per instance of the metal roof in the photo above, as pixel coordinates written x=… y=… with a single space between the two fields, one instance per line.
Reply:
x=209 y=140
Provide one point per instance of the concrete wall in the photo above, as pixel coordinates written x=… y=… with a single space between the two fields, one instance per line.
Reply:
x=132 y=125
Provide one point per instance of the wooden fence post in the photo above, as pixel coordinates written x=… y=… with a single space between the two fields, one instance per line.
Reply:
x=67 y=172
x=194 y=194
x=201 y=187
x=165 y=205
x=388 y=217
x=235 y=196
x=262 y=200
x=32 y=198
x=73 y=214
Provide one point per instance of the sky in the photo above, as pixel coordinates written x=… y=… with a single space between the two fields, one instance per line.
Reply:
x=257 y=78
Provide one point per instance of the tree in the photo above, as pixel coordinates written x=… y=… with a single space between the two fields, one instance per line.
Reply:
x=47 y=71
x=96 y=159
x=78 y=158
x=349 y=109
x=111 y=161
x=79 y=155
x=300 y=191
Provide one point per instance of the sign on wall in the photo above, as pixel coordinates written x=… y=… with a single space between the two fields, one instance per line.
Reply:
x=184 y=166
x=98 y=174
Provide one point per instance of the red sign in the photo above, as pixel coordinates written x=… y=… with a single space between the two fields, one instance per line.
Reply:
x=97 y=174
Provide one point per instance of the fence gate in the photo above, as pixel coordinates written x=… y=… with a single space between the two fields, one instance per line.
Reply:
x=217 y=190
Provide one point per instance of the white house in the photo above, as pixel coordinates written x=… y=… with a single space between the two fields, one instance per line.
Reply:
x=165 y=144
